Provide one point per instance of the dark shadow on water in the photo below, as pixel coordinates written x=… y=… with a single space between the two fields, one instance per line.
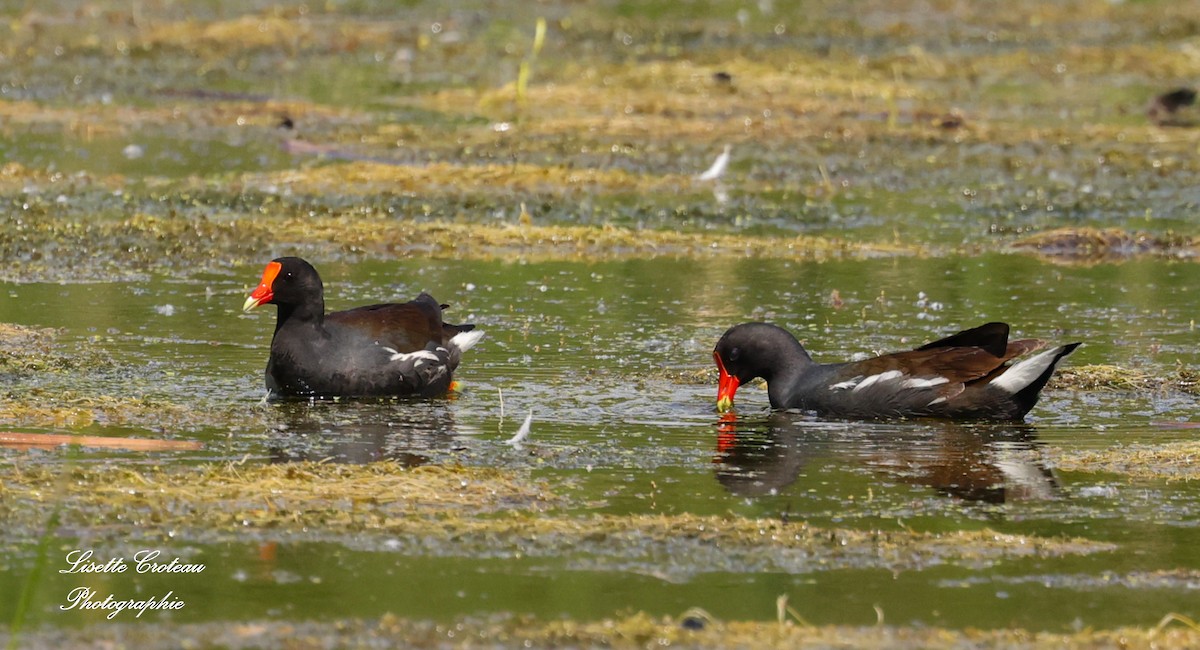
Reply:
x=984 y=462
x=366 y=431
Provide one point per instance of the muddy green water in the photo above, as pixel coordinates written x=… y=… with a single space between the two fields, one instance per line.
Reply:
x=596 y=352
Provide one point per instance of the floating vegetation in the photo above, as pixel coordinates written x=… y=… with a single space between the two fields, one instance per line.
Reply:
x=229 y=496
x=55 y=408
x=1117 y=378
x=143 y=243
x=429 y=505
x=1096 y=244
x=68 y=397
x=879 y=151
x=1171 y=460
x=241 y=34
x=637 y=630
x=25 y=350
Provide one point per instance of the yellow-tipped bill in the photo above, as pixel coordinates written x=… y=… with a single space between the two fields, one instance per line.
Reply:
x=727 y=386
x=264 y=292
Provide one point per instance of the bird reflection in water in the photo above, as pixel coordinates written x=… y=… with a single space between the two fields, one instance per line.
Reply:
x=985 y=462
x=403 y=430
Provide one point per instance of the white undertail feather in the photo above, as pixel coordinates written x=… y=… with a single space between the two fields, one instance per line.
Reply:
x=466 y=340
x=1023 y=373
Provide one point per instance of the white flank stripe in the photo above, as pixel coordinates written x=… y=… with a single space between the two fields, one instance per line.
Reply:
x=883 y=376
x=843 y=385
x=466 y=340
x=1024 y=373
x=936 y=400
x=523 y=432
x=419 y=355
x=916 y=382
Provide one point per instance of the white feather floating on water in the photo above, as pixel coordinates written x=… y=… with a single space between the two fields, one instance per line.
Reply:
x=523 y=432
x=717 y=169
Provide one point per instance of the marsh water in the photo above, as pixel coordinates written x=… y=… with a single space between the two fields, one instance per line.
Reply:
x=608 y=357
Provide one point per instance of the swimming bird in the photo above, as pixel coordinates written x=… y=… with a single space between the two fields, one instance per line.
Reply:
x=378 y=350
x=966 y=376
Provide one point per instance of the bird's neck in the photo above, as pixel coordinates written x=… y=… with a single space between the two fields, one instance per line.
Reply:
x=786 y=370
x=311 y=312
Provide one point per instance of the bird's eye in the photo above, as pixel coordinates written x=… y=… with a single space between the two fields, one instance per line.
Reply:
x=734 y=354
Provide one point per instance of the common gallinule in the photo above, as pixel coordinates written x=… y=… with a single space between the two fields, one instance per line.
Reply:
x=379 y=350
x=965 y=376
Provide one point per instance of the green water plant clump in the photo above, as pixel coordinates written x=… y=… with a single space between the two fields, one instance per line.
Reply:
x=694 y=629
x=479 y=509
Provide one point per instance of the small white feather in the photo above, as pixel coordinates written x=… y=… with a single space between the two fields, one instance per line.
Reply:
x=523 y=432
x=717 y=169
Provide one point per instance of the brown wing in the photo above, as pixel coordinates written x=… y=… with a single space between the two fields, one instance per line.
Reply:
x=991 y=338
x=404 y=327
x=906 y=382
x=956 y=365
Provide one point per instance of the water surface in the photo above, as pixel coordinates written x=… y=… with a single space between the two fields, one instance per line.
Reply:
x=608 y=356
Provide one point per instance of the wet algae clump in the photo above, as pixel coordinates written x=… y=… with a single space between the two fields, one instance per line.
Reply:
x=1106 y=377
x=36 y=354
x=1170 y=461
x=144 y=244
x=629 y=631
x=878 y=132
x=226 y=498
x=1083 y=245
x=437 y=504
x=29 y=350
x=56 y=384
